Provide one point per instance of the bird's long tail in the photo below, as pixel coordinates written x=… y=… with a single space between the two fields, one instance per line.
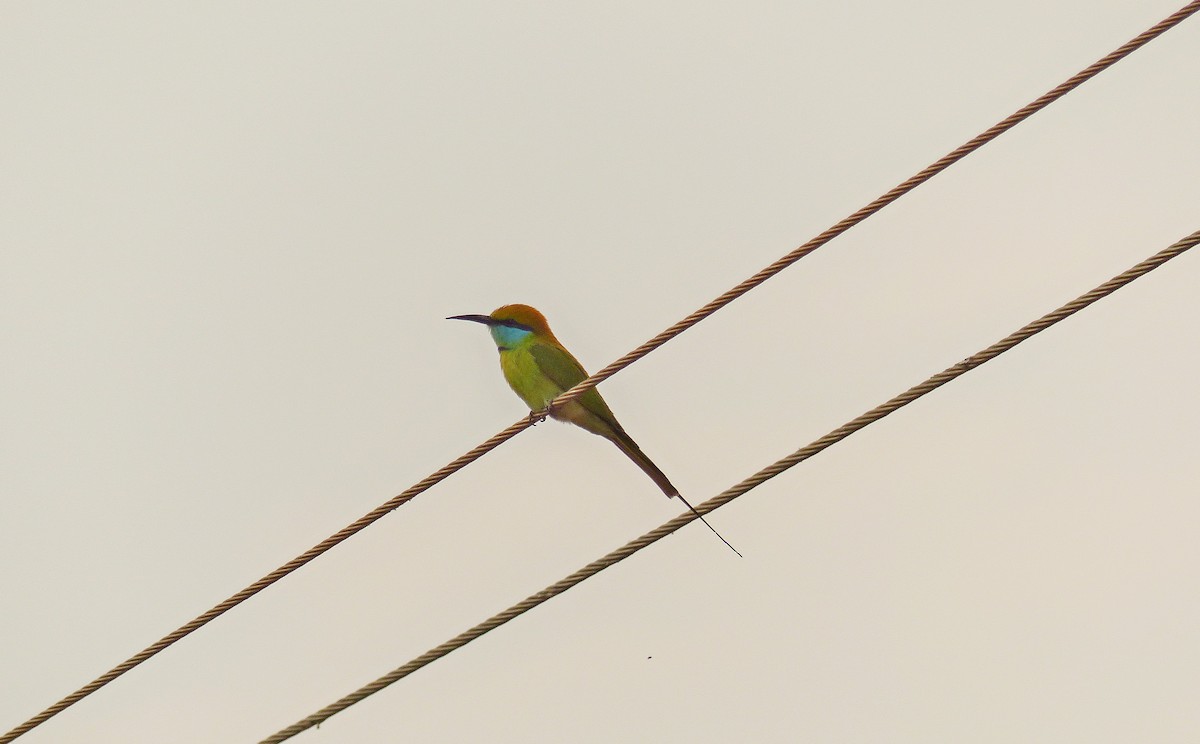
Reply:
x=634 y=452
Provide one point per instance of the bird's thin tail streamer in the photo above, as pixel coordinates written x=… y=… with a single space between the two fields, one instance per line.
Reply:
x=706 y=524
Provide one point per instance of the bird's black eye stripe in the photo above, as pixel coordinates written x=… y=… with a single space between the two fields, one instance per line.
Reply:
x=515 y=324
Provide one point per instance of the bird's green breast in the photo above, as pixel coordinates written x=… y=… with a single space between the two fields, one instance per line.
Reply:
x=526 y=378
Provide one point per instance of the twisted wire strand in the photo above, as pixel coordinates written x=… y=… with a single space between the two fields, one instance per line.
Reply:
x=762 y=476
x=895 y=193
x=408 y=494
x=201 y=620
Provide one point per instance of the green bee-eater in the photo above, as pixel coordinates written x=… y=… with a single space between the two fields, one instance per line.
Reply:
x=539 y=368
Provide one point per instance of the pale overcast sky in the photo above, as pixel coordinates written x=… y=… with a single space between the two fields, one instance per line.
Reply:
x=231 y=233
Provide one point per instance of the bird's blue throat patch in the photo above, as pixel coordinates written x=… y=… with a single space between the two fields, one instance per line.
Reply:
x=507 y=337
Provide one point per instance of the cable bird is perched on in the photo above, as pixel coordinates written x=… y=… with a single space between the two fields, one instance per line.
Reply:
x=539 y=368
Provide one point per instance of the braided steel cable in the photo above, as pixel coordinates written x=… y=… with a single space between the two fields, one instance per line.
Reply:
x=892 y=195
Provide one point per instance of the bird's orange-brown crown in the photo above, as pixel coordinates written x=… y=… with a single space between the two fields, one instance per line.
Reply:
x=527 y=316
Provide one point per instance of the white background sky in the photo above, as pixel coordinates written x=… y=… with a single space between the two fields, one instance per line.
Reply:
x=231 y=233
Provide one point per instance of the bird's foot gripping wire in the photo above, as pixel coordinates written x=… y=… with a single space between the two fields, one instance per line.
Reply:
x=537 y=417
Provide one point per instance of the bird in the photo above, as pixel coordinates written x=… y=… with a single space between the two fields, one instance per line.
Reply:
x=539 y=368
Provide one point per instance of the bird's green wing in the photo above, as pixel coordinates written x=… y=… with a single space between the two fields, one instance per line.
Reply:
x=558 y=364
x=565 y=370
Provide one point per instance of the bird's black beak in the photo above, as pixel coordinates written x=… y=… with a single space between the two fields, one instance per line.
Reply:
x=485 y=319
